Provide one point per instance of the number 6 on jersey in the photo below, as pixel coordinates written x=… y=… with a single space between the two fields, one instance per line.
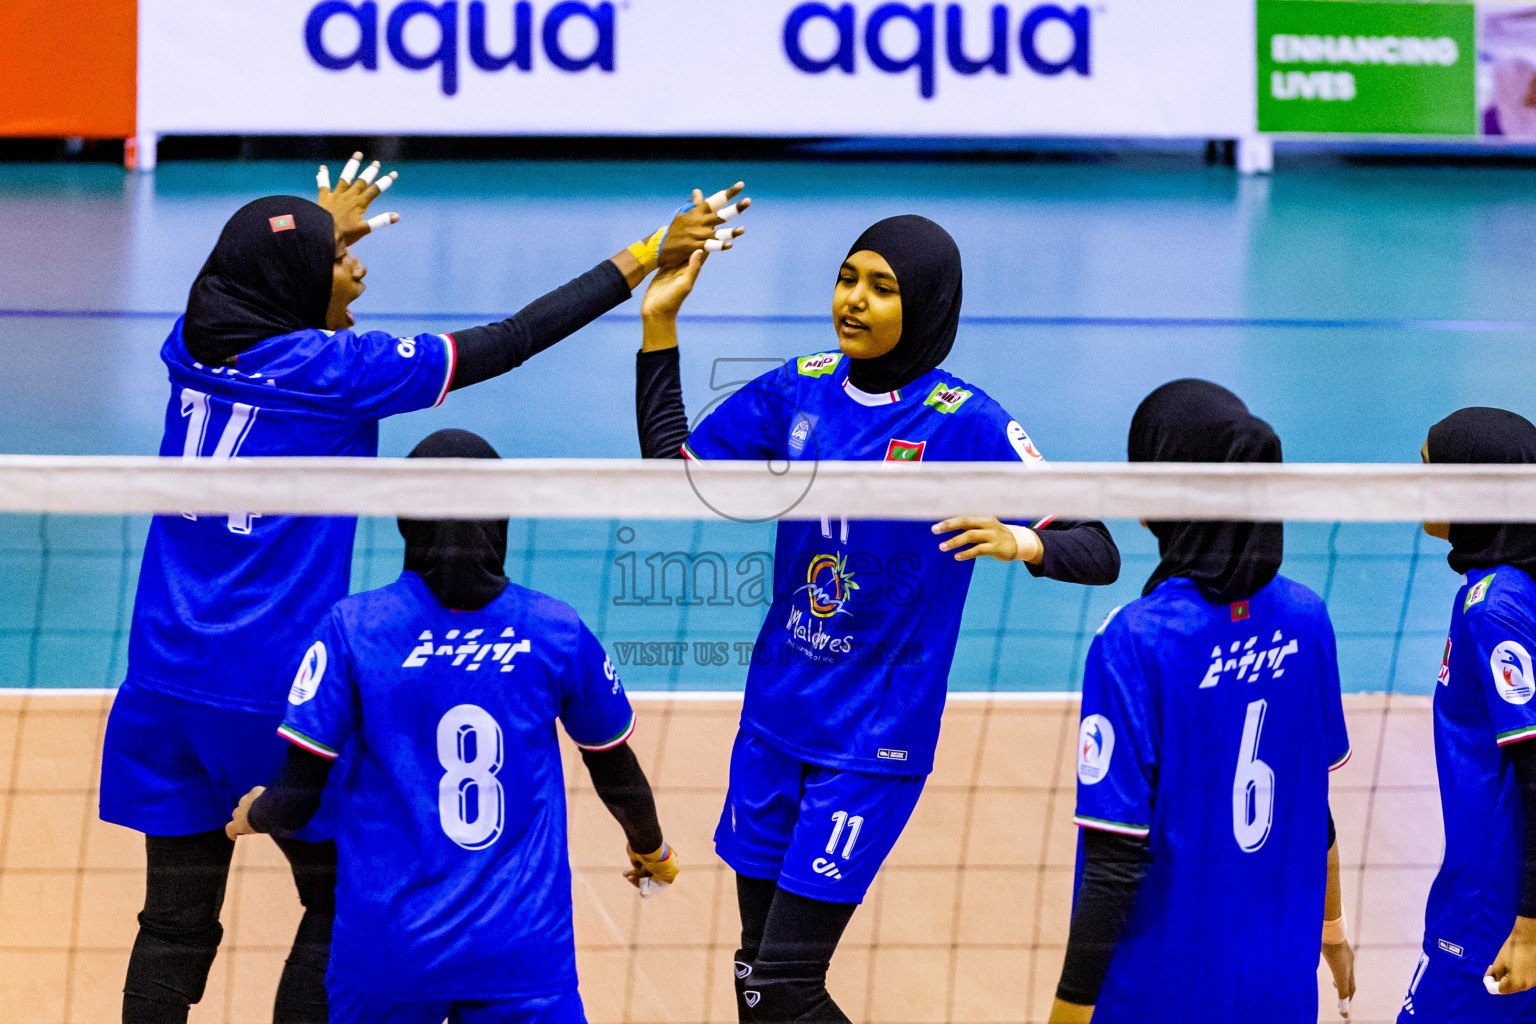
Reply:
x=1253 y=787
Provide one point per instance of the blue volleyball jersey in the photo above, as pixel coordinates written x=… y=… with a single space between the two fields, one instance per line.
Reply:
x=1211 y=729
x=853 y=659
x=1483 y=702
x=225 y=602
x=451 y=822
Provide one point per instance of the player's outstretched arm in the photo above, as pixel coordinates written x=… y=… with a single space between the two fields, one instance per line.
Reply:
x=621 y=784
x=1078 y=551
x=659 y=413
x=1337 y=952
x=491 y=350
x=1514 y=969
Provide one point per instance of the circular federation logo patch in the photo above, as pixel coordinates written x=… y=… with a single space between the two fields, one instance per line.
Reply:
x=1022 y=444
x=310 y=672
x=1095 y=746
x=1512 y=677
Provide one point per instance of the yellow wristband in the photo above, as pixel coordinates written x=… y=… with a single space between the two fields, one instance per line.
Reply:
x=1333 y=931
x=648 y=250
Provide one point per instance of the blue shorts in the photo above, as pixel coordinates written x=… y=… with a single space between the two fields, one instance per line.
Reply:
x=355 y=1006
x=1441 y=994
x=174 y=767
x=821 y=832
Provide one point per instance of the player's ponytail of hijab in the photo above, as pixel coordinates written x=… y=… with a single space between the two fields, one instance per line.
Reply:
x=269 y=274
x=1482 y=435
x=462 y=561
x=926 y=263
x=1197 y=421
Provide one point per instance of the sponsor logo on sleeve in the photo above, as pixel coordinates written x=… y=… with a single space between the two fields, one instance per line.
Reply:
x=887 y=754
x=311 y=671
x=1478 y=592
x=905 y=451
x=818 y=365
x=1095 y=746
x=1022 y=444
x=1511 y=664
x=1444 y=678
x=946 y=399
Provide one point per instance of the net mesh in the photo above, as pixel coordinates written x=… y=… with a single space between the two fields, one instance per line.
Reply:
x=966 y=923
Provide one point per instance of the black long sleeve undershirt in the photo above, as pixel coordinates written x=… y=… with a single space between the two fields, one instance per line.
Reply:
x=1076 y=550
x=1522 y=757
x=491 y=350
x=625 y=791
x=294 y=797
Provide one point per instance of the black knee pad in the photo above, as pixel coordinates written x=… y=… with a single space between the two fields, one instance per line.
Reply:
x=168 y=970
x=793 y=991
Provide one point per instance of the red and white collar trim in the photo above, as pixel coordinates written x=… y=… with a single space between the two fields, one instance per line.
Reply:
x=865 y=398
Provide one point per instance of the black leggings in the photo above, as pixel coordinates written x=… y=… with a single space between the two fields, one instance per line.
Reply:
x=179 y=929
x=787 y=942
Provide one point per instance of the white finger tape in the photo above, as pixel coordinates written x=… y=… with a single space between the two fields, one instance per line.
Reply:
x=381 y=221
x=387 y=180
x=1344 y=1008
x=1490 y=984
x=725 y=234
x=714 y=245
x=323 y=177
x=728 y=212
x=350 y=171
x=371 y=173
x=716 y=201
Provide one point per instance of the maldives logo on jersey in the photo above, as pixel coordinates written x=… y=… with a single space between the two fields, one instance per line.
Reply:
x=1444 y=679
x=1095 y=746
x=311 y=671
x=1511 y=664
x=905 y=451
x=283 y=223
x=469 y=651
x=828 y=586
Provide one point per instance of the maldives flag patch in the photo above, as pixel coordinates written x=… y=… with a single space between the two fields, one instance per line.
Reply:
x=905 y=451
x=283 y=223
x=1239 y=611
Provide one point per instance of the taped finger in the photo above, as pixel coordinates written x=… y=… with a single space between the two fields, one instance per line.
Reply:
x=371 y=173
x=716 y=245
x=1344 y=1008
x=387 y=180
x=726 y=213
x=725 y=234
x=1491 y=984
x=323 y=178
x=383 y=220
x=716 y=201
x=350 y=170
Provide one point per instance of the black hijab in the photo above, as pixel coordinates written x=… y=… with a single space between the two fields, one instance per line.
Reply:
x=1484 y=435
x=461 y=560
x=1197 y=421
x=926 y=262
x=269 y=274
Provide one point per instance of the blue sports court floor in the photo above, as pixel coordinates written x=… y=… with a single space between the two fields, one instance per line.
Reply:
x=1350 y=305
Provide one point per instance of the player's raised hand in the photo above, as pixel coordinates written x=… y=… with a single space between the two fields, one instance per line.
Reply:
x=702 y=225
x=1340 y=958
x=1514 y=969
x=348 y=201
x=240 y=823
x=652 y=872
x=986 y=535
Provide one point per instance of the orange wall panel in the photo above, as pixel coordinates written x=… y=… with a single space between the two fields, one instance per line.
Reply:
x=68 y=67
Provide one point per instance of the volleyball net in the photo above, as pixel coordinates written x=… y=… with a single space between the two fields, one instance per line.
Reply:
x=671 y=566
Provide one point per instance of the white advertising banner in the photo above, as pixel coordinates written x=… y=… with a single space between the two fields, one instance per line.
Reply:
x=697 y=67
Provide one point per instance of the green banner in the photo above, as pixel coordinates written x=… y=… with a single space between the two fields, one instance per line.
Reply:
x=1365 y=67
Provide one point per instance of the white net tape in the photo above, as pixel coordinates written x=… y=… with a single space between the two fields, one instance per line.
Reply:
x=754 y=491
